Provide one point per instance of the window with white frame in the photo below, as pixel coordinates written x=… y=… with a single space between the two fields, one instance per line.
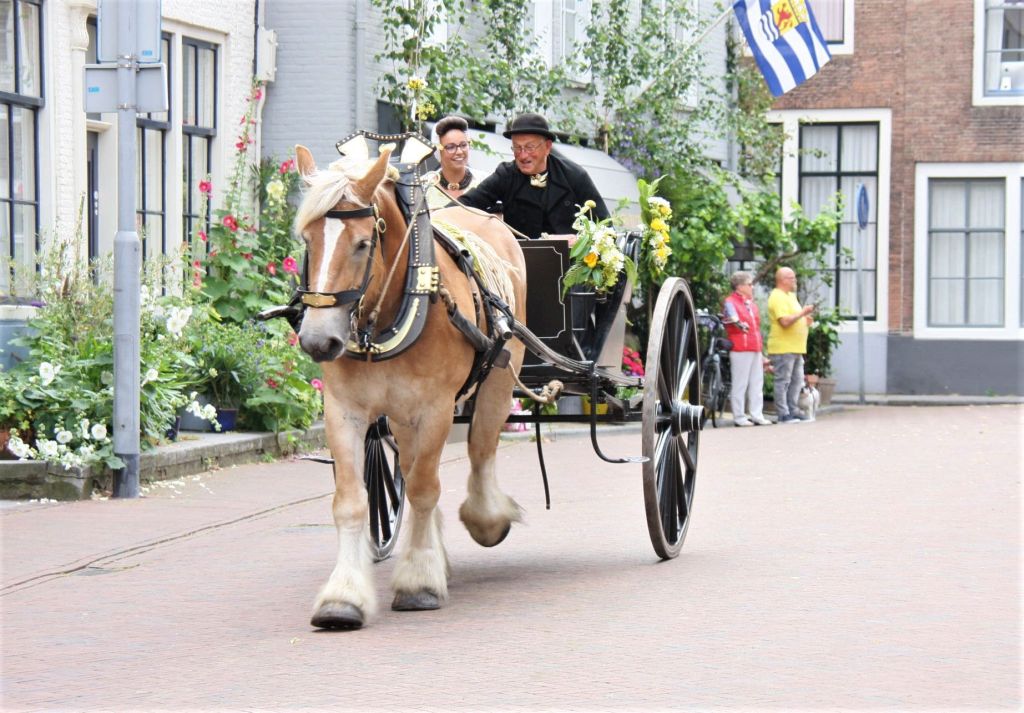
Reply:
x=150 y=194
x=1004 y=48
x=21 y=99
x=966 y=245
x=831 y=18
x=840 y=158
x=574 y=17
x=199 y=125
x=543 y=16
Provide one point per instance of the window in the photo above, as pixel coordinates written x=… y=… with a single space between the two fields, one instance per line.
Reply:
x=840 y=158
x=830 y=16
x=150 y=194
x=21 y=98
x=575 y=15
x=1004 y=48
x=199 y=124
x=966 y=235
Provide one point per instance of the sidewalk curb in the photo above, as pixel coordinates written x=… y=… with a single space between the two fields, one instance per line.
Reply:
x=195 y=453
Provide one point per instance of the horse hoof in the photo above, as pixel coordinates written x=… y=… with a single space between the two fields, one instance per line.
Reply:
x=423 y=600
x=508 y=529
x=337 y=615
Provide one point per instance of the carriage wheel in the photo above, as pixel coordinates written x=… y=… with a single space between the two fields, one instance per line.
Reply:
x=671 y=417
x=385 y=488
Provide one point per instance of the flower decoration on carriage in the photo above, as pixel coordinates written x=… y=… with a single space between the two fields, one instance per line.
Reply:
x=655 y=214
x=597 y=260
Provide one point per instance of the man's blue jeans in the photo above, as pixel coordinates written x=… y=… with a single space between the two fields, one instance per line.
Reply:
x=789 y=379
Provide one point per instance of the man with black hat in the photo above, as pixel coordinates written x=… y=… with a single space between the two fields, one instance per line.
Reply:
x=539 y=192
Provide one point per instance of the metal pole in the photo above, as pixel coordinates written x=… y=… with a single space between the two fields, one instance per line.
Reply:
x=860 y=316
x=127 y=265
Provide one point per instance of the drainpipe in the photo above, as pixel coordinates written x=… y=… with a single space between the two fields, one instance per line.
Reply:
x=359 y=45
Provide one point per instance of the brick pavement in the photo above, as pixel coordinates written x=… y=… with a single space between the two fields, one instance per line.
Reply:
x=879 y=568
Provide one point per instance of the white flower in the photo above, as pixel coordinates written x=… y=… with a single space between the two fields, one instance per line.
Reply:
x=64 y=436
x=177 y=319
x=48 y=449
x=99 y=431
x=151 y=375
x=275 y=190
x=209 y=412
x=83 y=428
x=106 y=378
x=19 y=448
x=48 y=372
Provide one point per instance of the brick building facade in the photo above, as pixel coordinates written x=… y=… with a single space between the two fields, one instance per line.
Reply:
x=910 y=104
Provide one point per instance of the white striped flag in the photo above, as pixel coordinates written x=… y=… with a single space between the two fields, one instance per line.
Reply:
x=784 y=39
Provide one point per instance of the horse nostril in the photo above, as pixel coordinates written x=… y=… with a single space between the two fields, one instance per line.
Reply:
x=322 y=350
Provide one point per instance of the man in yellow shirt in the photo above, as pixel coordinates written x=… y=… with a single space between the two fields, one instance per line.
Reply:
x=787 y=344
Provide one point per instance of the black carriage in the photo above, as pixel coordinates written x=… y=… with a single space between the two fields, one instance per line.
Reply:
x=576 y=339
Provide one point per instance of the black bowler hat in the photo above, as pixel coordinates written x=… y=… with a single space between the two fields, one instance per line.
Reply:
x=529 y=124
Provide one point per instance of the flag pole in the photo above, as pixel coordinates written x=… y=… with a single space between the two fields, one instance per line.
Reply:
x=693 y=43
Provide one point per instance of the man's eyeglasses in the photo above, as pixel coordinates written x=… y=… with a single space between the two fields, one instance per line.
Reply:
x=452 y=148
x=526 y=148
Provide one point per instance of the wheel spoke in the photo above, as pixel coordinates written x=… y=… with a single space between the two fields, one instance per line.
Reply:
x=670 y=492
x=682 y=348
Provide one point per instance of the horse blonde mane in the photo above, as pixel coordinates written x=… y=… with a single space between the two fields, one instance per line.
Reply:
x=326 y=187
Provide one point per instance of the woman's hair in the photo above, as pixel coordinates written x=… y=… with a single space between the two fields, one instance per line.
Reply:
x=449 y=123
x=740 y=277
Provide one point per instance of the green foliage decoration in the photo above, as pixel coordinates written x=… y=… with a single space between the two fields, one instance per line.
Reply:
x=822 y=341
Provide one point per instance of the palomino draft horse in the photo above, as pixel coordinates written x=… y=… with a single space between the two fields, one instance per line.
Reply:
x=353 y=228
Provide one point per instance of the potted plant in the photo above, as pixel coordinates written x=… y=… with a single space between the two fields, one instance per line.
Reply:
x=822 y=340
x=224 y=358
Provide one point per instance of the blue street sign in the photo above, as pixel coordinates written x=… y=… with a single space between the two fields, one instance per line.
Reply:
x=862 y=207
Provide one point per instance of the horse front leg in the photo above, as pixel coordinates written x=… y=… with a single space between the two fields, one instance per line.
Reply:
x=420 y=579
x=348 y=599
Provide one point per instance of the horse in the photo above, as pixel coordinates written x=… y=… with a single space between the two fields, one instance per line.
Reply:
x=416 y=389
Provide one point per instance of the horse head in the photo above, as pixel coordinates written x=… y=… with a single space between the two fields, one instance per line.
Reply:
x=341 y=219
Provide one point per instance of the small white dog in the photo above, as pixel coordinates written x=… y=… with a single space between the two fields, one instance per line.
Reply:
x=809 y=400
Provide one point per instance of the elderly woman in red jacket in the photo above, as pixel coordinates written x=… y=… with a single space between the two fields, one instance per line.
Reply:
x=743 y=327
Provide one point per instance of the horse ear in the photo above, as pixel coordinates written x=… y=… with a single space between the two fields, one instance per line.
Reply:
x=366 y=185
x=304 y=160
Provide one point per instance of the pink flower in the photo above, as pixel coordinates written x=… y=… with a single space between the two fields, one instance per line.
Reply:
x=205 y=187
x=289 y=265
x=258 y=94
x=196 y=264
x=241 y=145
x=317 y=384
x=287 y=166
x=271 y=383
x=197 y=280
x=293 y=339
x=272 y=268
x=203 y=236
x=230 y=223
x=247 y=256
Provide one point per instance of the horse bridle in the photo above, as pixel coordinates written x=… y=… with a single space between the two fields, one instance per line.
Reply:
x=320 y=300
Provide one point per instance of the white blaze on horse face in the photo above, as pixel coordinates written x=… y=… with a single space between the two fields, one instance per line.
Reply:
x=333 y=228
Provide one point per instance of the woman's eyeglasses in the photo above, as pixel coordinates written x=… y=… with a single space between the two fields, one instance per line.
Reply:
x=452 y=148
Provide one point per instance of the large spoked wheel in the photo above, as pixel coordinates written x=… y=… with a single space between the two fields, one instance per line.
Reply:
x=671 y=417
x=385 y=488
x=710 y=389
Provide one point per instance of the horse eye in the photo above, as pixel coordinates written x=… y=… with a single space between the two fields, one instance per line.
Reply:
x=363 y=244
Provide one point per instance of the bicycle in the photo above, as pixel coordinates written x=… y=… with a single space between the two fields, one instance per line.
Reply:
x=715 y=375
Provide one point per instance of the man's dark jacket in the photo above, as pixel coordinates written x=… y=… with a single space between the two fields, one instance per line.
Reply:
x=531 y=210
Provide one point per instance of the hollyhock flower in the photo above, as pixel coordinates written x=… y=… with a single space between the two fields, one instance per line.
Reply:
x=293 y=339
x=271 y=383
x=317 y=384
x=196 y=264
x=272 y=268
x=205 y=187
x=247 y=256
x=230 y=223
x=203 y=236
x=258 y=94
x=241 y=145
x=287 y=166
x=290 y=266
x=99 y=431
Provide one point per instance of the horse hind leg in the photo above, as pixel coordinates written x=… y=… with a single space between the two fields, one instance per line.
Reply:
x=487 y=512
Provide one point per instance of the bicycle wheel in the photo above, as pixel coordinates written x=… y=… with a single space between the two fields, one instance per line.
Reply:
x=711 y=387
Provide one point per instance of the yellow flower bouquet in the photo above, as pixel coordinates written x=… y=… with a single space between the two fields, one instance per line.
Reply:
x=597 y=261
x=655 y=213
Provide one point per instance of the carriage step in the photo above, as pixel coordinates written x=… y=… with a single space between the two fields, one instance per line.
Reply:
x=318 y=459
